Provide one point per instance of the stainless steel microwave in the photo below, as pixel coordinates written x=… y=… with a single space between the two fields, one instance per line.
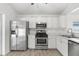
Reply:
x=41 y=25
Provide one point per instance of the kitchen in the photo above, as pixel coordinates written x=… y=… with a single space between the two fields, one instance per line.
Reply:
x=41 y=28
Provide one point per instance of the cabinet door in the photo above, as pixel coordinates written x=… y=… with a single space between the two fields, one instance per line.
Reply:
x=65 y=46
x=54 y=22
x=64 y=49
x=59 y=44
x=31 y=41
x=62 y=45
x=32 y=24
x=63 y=21
x=51 y=42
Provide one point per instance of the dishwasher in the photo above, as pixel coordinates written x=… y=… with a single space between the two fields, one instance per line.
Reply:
x=73 y=48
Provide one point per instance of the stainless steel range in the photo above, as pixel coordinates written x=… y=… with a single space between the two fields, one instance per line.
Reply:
x=41 y=36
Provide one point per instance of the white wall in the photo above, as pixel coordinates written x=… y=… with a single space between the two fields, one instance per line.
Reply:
x=70 y=16
x=0 y=34
x=9 y=15
x=70 y=7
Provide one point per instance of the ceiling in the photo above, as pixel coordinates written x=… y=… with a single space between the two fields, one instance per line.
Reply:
x=39 y=8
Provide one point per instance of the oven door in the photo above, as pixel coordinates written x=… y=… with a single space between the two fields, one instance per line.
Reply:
x=41 y=41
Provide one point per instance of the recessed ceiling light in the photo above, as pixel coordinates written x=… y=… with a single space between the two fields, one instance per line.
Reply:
x=46 y=3
x=39 y=3
x=32 y=3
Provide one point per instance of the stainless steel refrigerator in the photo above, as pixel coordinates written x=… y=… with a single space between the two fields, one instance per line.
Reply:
x=19 y=35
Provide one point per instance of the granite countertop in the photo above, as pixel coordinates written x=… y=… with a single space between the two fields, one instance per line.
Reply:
x=74 y=39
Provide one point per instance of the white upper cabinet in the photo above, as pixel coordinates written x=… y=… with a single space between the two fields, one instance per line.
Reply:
x=62 y=21
x=52 y=21
x=32 y=22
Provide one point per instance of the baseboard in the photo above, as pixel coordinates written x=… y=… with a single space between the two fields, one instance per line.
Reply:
x=4 y=54
x=59 y=52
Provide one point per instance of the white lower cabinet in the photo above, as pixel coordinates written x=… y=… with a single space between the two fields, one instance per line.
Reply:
x=65 y=46
x=51 y=42
x=64 y=49
x=62 y=45
x=58 y=44
x=31 y=41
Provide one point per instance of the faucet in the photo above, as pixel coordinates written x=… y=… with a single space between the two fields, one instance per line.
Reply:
x=72 y=34
x=70 y=31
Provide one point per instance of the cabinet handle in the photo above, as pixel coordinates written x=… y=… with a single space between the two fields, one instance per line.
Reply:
x=16 y=35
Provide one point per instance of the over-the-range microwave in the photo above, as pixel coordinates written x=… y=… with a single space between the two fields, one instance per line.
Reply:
x=41 y=25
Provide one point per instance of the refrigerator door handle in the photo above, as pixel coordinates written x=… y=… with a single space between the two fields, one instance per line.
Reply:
x=16 y=31
x=28 y=30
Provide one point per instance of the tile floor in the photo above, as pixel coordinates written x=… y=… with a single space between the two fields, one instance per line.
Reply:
x=34 y=53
